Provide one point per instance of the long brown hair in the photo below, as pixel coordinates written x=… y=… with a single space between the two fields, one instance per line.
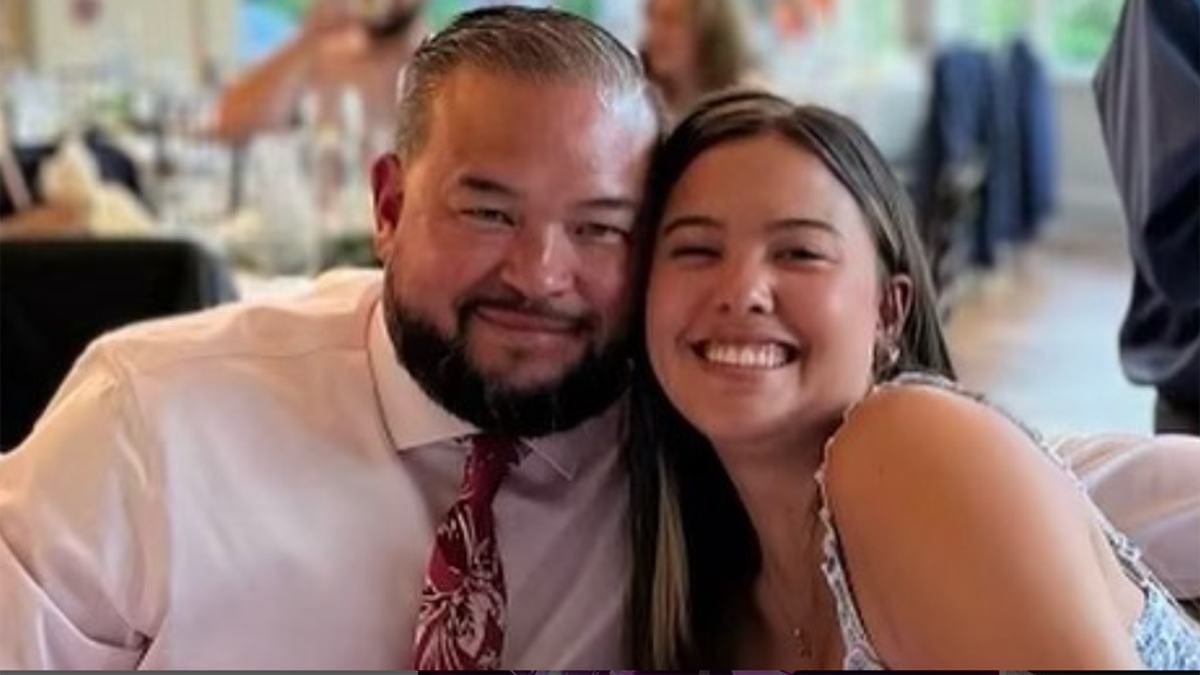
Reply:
x=695 y=550
x=722 y=47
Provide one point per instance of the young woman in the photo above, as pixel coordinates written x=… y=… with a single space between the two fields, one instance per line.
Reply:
x=818 y=493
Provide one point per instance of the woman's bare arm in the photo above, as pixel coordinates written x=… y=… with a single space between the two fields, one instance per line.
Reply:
x=965 y=545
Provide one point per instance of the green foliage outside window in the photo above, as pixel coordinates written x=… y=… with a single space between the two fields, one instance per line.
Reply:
x=581 y=7
x=439 y=12
x=999 y=20
x=1080 y=30
x=1071 y=34
x=289 y=8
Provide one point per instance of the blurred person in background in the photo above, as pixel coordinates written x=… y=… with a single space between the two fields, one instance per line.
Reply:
x=20 y=212
x=355 y=48
x=692 y=47
x=1148 y=93
x=78 y=184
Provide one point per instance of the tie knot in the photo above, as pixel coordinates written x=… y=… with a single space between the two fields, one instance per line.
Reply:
x=489 y=457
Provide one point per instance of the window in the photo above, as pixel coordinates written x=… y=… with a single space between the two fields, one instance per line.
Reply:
x=1078 y=31
x=264 y=24
x=878 y=25
x=1071 y=34
x=440 y=12
x=998 y=21
x=985 y=22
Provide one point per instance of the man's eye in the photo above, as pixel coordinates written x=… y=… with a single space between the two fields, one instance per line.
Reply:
x=601 y=233
x=489 y=216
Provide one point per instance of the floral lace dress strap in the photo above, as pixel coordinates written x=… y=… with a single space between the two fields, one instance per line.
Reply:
x=859 y=652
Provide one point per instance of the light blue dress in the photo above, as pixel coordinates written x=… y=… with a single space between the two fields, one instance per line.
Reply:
x=1165 y=639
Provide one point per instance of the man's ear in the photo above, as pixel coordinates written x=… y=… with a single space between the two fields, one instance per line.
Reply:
x=387 y=188
x=894 y=305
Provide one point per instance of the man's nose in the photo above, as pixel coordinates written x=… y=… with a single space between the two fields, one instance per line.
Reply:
x=541 y=261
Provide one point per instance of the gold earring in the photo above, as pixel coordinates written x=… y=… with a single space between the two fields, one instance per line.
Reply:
x=886 y=356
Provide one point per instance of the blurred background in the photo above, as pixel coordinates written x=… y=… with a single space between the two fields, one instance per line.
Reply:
x=984 y=107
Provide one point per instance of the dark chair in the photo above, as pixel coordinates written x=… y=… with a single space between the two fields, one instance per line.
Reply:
x=57 y=295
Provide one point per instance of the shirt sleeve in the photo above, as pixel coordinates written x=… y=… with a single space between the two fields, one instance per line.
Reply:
x=1147 y=90
x=1149 y=488
x=80 y=577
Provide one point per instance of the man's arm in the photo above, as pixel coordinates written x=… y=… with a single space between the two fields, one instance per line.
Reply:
x=1148 y=92
x=81 y=582
x=46 y=220
x=268 y=94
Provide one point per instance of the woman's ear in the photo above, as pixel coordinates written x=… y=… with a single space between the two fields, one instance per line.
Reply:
x=895 y=303
x=387 y=188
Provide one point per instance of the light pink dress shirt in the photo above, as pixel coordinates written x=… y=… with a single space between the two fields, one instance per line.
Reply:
x=257 y=487
x=1149 y=487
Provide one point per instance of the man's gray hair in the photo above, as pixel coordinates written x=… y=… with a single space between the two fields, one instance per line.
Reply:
x=538 y=44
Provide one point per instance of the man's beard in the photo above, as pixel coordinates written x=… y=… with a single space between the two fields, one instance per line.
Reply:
x=443 y=369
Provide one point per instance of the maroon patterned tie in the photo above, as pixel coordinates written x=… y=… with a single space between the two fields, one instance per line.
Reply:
x=463 y=604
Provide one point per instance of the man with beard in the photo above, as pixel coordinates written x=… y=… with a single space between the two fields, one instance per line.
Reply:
x=305 y=484
x=344 y=50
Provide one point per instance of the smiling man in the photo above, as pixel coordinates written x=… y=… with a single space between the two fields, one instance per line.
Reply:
x=419 y=470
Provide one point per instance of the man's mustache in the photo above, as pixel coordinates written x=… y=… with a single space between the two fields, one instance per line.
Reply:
x=513 y=301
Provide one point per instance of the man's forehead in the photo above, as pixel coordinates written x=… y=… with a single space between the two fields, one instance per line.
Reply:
x=472 y=89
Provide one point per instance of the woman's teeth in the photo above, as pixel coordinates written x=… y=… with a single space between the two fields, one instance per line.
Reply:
x=763 y=356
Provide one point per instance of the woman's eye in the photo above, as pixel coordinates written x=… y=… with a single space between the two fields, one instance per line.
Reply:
x=692 y=252
x=799 y=253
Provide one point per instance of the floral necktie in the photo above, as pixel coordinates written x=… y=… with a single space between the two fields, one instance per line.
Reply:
x=463 y=603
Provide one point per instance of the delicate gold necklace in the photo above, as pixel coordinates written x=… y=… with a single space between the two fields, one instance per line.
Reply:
x=803 y=642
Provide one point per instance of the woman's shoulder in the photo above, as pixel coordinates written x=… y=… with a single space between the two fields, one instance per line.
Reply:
x=918 y=419
x=921 y=432
x=933 y=489
x=921 y=450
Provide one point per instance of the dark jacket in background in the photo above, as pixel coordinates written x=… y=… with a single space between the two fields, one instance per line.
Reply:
x=1035 y=129
x=1148 y=94
x=995 y=110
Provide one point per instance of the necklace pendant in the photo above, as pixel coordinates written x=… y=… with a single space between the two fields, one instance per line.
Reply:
x=802 y=643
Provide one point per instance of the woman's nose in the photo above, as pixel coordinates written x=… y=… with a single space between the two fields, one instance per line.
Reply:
x=745 y=288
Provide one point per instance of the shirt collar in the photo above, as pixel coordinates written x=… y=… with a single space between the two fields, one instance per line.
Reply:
x=413 y=420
